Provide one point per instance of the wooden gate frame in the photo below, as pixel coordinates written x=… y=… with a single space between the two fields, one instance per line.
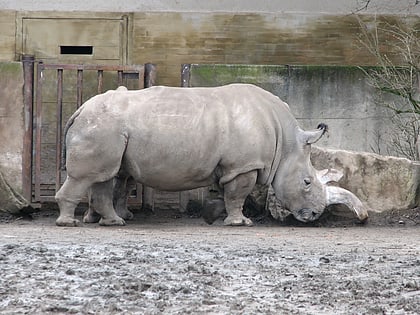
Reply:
x=31 y=161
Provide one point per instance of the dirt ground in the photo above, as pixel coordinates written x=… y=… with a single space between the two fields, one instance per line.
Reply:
x=171 y=263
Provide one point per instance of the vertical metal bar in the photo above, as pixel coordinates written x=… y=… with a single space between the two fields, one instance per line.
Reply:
x=185 y=75
x=141 y=78
x=79 y=87
x=28 y=62
x=120 y=77
x=100 y=81
x=59 y=119
x=149 y=75
x=38 y=126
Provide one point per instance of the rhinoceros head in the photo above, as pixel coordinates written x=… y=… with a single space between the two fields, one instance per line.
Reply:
x=303 y=190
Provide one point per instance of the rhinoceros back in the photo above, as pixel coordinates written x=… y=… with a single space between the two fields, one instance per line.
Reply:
x=195 y=135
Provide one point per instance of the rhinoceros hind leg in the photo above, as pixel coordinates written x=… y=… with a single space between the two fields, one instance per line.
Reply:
x=101 y=202
x=238 y=221
x=67 y=221
x=68 y=197
x=112 y=221
x=235 y=193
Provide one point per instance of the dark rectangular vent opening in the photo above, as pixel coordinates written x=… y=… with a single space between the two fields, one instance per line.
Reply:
x=76 y=50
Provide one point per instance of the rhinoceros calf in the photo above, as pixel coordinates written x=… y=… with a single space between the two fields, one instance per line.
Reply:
x=183 y=138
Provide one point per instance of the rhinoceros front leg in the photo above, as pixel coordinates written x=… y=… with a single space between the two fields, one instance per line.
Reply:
x=235 y=193
x=101 y=203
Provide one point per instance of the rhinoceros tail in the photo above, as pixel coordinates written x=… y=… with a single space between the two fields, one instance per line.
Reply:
x=66 y=128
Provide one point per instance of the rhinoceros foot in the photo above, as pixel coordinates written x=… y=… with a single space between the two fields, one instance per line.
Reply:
x=212 y=209
x=91 y=216
x=67 y=221
x=112 y=221
x=238 y=221
x=125 y=214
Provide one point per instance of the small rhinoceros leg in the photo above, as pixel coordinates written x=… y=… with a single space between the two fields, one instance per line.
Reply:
x=123 y=187
x=101 y=202
x=212 y=209
x=235 y=193
x=90 y=215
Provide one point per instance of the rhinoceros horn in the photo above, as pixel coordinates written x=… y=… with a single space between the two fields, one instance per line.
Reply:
x=338 y=195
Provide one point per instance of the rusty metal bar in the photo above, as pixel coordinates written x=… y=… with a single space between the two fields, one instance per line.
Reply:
x=59 y=129
x=124 y=68
x=120 y=77
x=185 y=74
x=150 y=72
x=28 y=62
x=100 y=81
x=38 y=126
x=141 y=82
x=79 y=87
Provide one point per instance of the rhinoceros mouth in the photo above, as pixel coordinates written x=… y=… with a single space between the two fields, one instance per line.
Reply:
x=306 y=215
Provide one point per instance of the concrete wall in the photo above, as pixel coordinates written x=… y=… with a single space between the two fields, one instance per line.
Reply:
x=319 y=6
x=7 y=35
x=11 y=123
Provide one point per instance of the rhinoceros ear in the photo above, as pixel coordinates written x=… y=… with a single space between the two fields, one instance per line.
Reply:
x=312 y=136
x=326 y=176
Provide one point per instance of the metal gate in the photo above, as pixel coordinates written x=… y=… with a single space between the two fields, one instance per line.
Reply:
x=42 y=155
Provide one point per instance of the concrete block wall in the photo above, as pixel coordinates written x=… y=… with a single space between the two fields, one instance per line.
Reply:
x=170 y=39
x=7 y=35
x=11 y=123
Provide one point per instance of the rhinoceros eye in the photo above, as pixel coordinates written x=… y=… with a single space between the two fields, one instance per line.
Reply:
x=307 y=182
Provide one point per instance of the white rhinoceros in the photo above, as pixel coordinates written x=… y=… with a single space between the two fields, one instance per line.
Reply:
x=183 y=138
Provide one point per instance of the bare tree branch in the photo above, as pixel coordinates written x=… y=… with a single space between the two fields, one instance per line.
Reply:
x=363 y=7
x=402 y=80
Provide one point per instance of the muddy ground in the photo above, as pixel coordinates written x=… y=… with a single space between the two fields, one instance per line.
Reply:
x=171 y=263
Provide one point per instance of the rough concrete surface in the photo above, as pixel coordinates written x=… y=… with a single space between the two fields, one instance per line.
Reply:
x=383 y=183
x=11 y=123
x=168 y=263
x=10 y=200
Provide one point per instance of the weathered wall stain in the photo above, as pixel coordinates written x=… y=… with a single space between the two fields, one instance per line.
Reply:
x=11 y=122
x=251 y=39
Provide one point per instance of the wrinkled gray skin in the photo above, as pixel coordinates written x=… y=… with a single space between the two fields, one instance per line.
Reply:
x=183 y=138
